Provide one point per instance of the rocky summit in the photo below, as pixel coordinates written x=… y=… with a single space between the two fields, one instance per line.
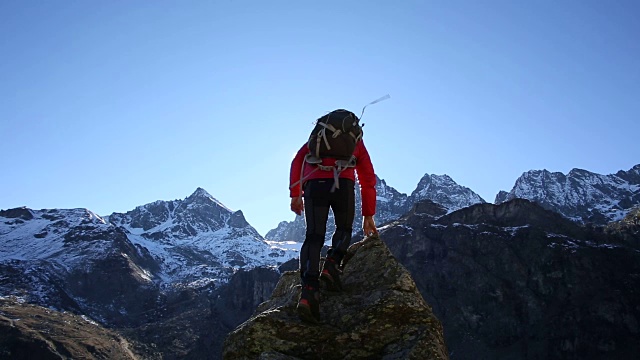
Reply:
x=516 y=281
x=379 y=315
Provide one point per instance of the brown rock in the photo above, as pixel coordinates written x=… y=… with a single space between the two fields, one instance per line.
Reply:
x=380 y=315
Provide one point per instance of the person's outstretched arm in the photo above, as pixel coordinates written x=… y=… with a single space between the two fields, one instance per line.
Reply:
x=367 y=180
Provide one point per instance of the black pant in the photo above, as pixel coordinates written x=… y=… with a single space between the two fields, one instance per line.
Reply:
x=318 y=198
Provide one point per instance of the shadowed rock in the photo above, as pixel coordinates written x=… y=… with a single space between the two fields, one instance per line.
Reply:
x=380 y=315
x=33 y=332
x=516 y=281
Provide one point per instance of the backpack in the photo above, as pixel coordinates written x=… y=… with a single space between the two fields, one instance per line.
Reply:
x=334 y=136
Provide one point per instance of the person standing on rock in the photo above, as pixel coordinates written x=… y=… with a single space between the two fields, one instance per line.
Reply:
x=322 y=177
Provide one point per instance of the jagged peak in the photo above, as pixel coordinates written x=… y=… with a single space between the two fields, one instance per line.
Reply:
x=579 y=172
x=201 y=193
x=535 y=172
x=443 y=179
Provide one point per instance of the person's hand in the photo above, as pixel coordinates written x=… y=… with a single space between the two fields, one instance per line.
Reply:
x=369 y=226
x=297 y=205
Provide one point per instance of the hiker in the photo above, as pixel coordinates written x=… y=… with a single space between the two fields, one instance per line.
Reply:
x=318 y=183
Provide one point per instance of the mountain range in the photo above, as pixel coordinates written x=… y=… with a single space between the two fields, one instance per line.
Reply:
x=174 y=277
x=390 y=205
x=580 y=195
x=67 y=258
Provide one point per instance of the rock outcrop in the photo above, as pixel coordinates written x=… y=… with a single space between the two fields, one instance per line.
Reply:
x=380 y=315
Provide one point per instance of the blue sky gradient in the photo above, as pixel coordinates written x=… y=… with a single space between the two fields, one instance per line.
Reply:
x=113 y=104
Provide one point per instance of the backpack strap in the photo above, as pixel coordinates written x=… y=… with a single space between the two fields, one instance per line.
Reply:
x=302 y=177
x=339 y=167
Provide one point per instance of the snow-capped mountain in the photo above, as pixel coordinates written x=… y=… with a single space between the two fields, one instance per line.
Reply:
x=197 y=238
x=69 y=257
x=390 y=205
x=442 y=190
x=580 y=195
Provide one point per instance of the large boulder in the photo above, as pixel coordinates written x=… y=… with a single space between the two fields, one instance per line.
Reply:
x=380 y=314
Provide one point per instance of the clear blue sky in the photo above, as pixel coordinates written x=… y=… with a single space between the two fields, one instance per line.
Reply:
x=107 y=105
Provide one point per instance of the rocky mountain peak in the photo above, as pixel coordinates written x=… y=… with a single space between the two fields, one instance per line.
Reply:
x=201 y=196
x=200 y=192
x=441 y=180
x=579 y=195
x=380 y=315
x=443 y=190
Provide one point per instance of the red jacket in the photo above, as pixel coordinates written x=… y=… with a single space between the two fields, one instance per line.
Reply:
x=364 y=169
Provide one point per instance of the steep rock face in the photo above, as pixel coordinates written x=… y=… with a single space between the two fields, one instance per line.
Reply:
x=580 y=195
x=390 y=205
x=517 y=281
x=380 y=315
x=244 y=292
x=33 y=332
x=192 y=323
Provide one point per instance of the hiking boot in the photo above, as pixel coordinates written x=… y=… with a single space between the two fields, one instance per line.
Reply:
x=309 y=305
x=331 y=275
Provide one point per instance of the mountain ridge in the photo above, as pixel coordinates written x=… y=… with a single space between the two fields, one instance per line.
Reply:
x=580 y=195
